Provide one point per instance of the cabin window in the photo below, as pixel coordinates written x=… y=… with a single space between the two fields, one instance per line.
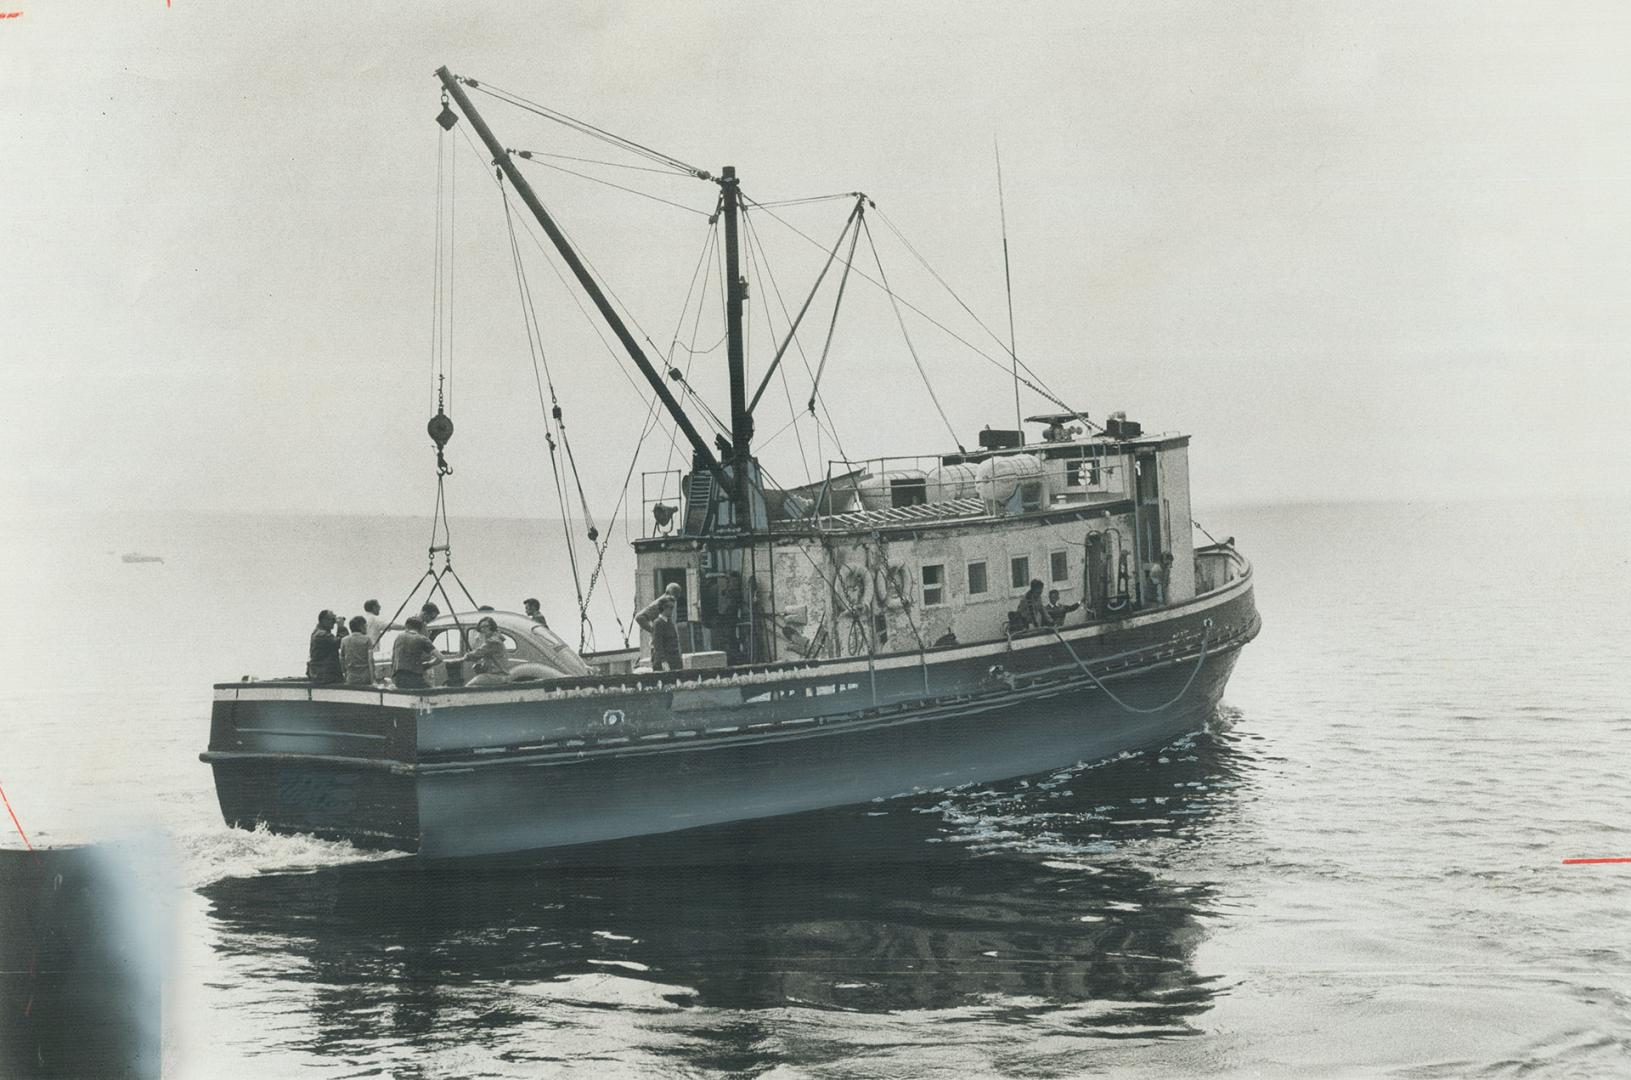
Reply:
x=913 y=491
x=1019 y=571
x=976 y=578
x=934 y=584
x=1082 y=473
x=1059 y=566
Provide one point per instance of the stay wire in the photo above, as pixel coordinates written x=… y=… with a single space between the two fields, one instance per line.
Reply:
x=527 y=156
x=803 y=357
x=832 y=325
x=1006 y=347
x=594 y=161
x=708 y=250
x=647 y=426
x=927 y=385
x=763 y=262
x=585 y=128
x=1033 y=384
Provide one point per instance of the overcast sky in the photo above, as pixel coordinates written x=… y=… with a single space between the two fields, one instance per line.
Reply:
x=1358 y=251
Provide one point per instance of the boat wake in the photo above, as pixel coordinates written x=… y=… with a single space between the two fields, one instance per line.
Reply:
x=210 y=854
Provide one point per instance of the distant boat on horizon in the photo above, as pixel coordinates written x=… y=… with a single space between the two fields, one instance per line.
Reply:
x=136 y=557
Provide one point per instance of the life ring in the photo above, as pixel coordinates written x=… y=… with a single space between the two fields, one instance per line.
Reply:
x=889 y=585
x=852 y=586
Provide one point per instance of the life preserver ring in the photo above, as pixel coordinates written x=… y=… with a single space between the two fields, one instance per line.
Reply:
x=852 y=586
x=890 y=585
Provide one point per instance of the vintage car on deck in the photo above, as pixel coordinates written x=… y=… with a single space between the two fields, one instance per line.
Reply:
x=533 y=651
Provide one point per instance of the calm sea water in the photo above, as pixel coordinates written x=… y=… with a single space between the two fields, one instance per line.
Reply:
x=1357 y=871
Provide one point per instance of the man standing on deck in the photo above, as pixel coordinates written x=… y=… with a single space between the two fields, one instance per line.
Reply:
x=323 y=661
x=411 y=654
x=535 y=611
x=646 y=614
x=665 y=640
x=376 y=625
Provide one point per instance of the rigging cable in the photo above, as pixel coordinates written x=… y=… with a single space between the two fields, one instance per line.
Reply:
x=1034 y=383
x=927 y=385
x=799 y=345
x=571 y=291
x=1008 y=348
x=647 y=426
x=526 y=155
x=843 y=280
x=585 y=128
x=436 y=271
x=775 y=366
x=754 y=240
x=529 y=317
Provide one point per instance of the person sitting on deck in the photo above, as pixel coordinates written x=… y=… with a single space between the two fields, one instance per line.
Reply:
x=484 y=665
x=1030 y=614
x=665 y=640
x=357 y=654
x=323 y=661
x=411 y=655
x=649 y=612
x=535 y=611
x=1055 y=611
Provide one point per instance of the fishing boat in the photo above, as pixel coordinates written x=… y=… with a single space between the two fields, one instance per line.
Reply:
x=850 y=639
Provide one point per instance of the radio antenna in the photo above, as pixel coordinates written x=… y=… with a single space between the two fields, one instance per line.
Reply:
x=1008 y=280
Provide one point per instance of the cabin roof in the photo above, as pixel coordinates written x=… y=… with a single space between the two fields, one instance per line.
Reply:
x=920 y=513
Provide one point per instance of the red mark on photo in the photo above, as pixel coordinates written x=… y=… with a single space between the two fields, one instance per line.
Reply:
x=18 y=14
x=14 y=820
x=1589 y=862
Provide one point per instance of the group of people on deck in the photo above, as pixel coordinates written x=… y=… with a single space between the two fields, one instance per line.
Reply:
x=342 y=652
x=1033 y=614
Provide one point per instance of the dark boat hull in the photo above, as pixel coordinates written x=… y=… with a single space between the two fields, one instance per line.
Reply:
x=457 y=773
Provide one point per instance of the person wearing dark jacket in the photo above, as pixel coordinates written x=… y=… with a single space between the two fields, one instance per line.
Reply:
x=1030 y=613
x=665 y=640
x=411 y=654
x=323 y=661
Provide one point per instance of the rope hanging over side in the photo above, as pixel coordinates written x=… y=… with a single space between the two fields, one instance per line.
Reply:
x=1200 y=661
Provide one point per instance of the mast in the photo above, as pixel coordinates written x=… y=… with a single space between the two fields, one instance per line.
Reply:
x=501 y=157
x=741 y=418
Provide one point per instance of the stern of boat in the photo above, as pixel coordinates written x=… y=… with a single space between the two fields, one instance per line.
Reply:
x=328 y=762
